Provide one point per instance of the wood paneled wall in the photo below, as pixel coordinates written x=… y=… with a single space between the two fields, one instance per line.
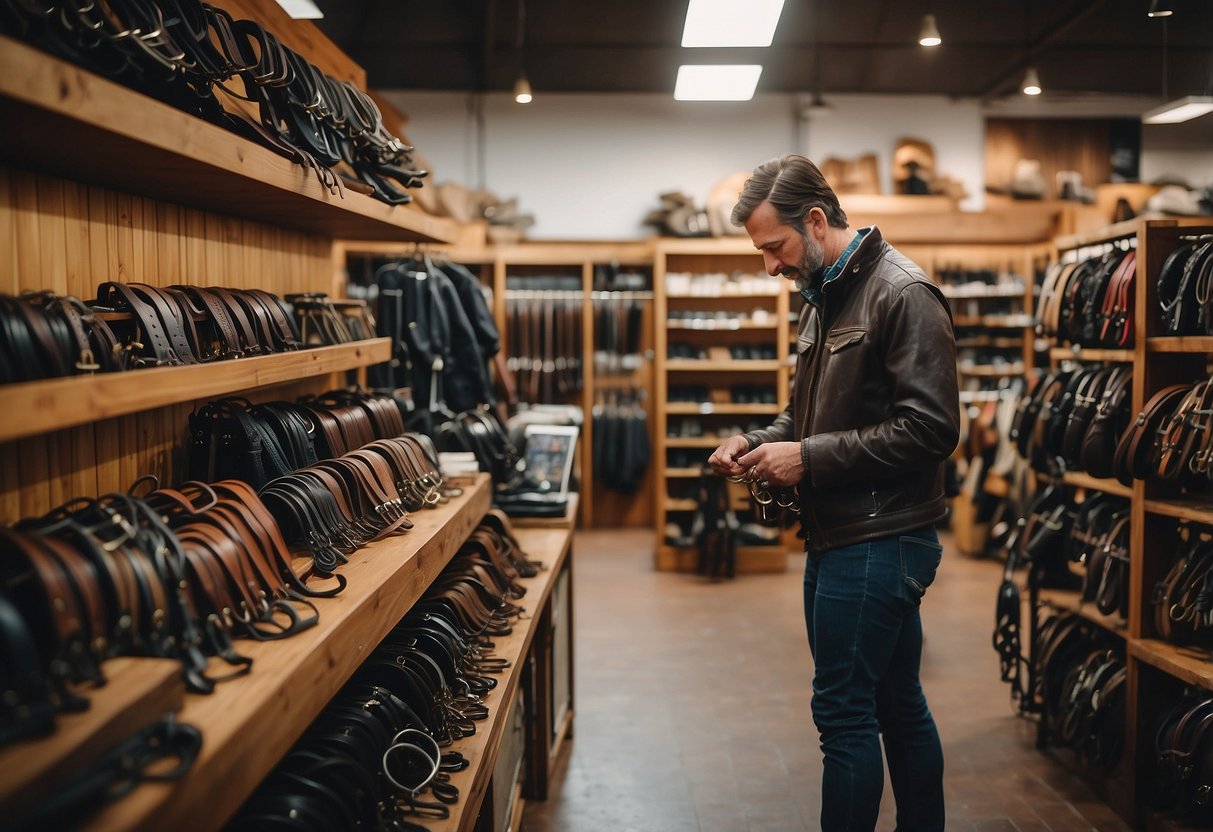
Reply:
x=68 y=237
x=1083 y=145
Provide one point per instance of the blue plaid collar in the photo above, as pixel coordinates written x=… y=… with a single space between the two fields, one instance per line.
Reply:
x=812 y=291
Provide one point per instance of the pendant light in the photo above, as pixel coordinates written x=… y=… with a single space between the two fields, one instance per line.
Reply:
x=522 y=85
x=1031 y=82
x=928 y=35
x=1160 y=8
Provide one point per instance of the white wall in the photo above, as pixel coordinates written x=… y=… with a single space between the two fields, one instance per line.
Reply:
x=591 y=166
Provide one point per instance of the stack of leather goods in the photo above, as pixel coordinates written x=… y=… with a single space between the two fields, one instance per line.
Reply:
x=621 y=439
x=1090 y=302
x=177 y=325
x=1081 y=671
x=44 y=335
x=1075 y=416
x=374 y=758
x=1183 y=761
x=1185 y=287
x=324 y=321
x=545 y=335
x=1183 y=600
x=256 y=443
x=1171 y=438
x=133 y=325
x=184 y=52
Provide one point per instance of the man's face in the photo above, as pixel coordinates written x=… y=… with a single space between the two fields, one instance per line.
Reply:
x=788 y=251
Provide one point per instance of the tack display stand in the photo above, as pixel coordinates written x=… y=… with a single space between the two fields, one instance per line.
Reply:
x=99 y=182
x=1158 y=672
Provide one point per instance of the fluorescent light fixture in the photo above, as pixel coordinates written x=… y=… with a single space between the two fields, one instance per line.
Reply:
x=1181 y=109
x=522 y=90
x=1031 y=82
x=301 y=9
x=929 y=34
x=731 y=22
x=1160 y=8
x=715 y=82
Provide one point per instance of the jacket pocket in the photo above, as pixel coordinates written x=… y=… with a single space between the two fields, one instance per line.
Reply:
x=842 y=338
x=920 y=559
x=803 y=345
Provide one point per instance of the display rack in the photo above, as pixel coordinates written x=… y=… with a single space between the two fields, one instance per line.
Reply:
x=249 y=723
x=577 y=261
x=1155 y=509
x=675 y=482
x=99 y=182
x=86 y=128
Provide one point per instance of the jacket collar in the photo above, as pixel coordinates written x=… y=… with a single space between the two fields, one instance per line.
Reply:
x=860 y=255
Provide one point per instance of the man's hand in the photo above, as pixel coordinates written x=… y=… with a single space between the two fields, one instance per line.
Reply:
x=775 y=463
x=724 y=459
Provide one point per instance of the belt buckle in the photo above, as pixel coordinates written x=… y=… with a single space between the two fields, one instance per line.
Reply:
x=88 y=362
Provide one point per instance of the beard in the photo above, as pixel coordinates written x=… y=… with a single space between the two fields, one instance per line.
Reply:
x=812 y=261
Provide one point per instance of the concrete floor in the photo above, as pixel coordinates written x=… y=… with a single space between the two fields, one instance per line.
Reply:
x=693 y=706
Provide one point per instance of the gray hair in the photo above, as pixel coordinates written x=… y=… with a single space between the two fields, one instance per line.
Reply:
x=794 y=186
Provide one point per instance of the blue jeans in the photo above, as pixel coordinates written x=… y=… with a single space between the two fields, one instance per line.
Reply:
x=865 y=633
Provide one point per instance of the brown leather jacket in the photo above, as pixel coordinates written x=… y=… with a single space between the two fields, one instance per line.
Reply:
x=874 y=402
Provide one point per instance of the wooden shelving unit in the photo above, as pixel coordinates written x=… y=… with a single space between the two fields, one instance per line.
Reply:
x=697 y=258
x=35 y=407
x=1156 y=361
x=249 y=723
x=98 y=182
x=83 y=127
x=481 y=748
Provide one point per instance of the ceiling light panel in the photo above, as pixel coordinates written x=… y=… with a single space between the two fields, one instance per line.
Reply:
x=1183 y=109
x=713 y=82
x=731 y=22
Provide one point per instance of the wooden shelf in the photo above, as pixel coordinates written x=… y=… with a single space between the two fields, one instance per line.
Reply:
x=1107 y=234
x=712 y=325
x=551 y=547
x=1189 y=508
x=249 y=723
x=958 y=293
x=1182 y=663
x=724 y=408
x=676 y=504
x=1087 y=354
x=994 y=321
x=701 y=366
x=80 y=126
x=774 y=291
x=693 y=441
x=991 y=370
x=137 y=692
x=1109 y=486
x=35 y=407
x=683 y=473
x=1181 y=343
x=1072 y=601
x=751 y=560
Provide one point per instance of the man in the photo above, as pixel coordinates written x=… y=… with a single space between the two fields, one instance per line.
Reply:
x=874 y=414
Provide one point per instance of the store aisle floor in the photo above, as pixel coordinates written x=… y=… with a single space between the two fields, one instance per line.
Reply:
x=693 y=706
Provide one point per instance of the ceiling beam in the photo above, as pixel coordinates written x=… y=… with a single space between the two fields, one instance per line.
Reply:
x=1004 y=79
